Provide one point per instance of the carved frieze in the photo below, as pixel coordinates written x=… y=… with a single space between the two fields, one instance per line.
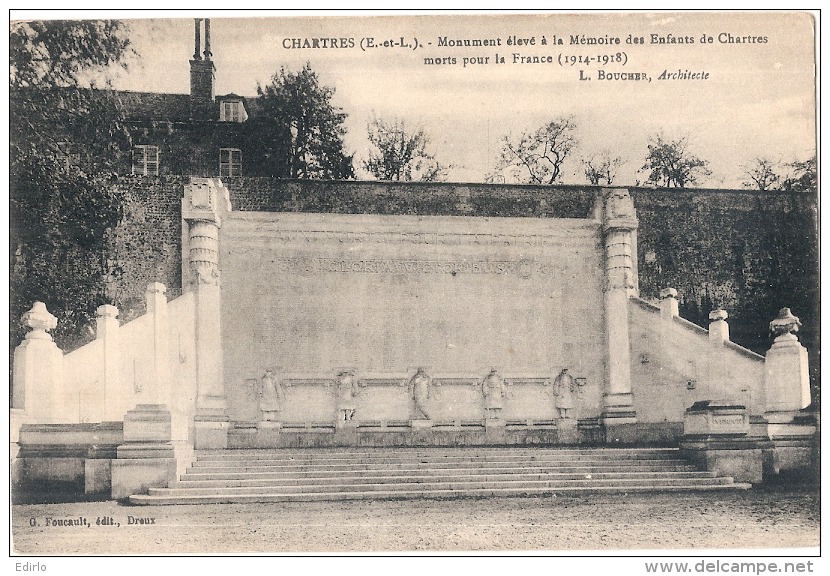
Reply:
x=525 y=268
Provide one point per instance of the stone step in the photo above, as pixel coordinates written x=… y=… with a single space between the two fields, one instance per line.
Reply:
x=284 y=475
x=483 y=476
x=440 y=484
x=309 y=459
x=345 y=467
x=147 y=499
x=349 y=453
x=265 y=472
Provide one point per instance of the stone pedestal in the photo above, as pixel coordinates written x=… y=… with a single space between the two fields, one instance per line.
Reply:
x=147 y=423
x=345 y=433
x=715 y=438
x=269 y=425
x=210 y=432
x=420 y=424
x=567 y=431
x=787 y=379
x=345 y=425
x=792 y=439
x=494 y=431
x=619 y=418
x=495 y=423
x=147 y=458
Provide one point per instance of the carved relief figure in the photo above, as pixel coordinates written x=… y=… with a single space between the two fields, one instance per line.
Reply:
x=346 y=393
x=563 y=389
x=493 y=389
x=419 y=389
x=271 y=397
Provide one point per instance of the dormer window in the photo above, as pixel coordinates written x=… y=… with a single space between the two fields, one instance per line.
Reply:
x=232 y=111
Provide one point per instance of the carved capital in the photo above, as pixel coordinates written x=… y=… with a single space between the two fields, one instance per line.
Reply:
x=619 y=210
x=205 y=199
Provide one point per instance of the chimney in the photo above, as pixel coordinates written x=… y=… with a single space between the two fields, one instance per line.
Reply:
x=202 y=77
x=198 y=45
x=207 y=39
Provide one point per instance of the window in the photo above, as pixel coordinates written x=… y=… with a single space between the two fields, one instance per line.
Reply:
x=232 y=111
x=146 y=160
x=230 y=162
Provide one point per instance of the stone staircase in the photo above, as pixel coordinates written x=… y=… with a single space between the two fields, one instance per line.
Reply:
x=285 y=475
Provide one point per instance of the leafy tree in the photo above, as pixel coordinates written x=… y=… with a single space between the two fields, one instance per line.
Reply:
x=803 y=178
x=62 y=199
x=602 y=169
x=537 y=157
x=401 y=154
x=63 y=53
x=762 y=175
x=671 y=165
x=297 y=132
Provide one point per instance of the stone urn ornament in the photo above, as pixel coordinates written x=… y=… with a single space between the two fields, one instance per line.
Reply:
x=785 y=325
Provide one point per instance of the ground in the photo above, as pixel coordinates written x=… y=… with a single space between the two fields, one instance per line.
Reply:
x=779 y=517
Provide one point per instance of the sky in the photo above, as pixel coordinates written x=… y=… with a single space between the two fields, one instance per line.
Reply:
x=757 y=101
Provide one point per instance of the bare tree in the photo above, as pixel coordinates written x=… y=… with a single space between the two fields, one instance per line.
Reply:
x=601 y=169
x=762 y=175
x=400 y=153
x=536 y=157
x=671 y=165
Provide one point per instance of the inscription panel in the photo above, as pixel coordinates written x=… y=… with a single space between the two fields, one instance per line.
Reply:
x=383 y=403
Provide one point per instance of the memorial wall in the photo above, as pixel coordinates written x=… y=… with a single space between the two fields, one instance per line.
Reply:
x=312 y=294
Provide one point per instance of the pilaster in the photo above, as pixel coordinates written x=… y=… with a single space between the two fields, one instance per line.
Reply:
x=106 y=330
x=619 y=226
x=204 y=202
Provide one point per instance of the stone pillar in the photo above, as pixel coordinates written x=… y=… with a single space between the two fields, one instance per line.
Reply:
x=791 y=430
x=37 y=379
x=718 y=328
x=787 y=380
x=619 y=226
x=202 y=206
x=668 y=303
x=106 y=330
x=160 y=371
